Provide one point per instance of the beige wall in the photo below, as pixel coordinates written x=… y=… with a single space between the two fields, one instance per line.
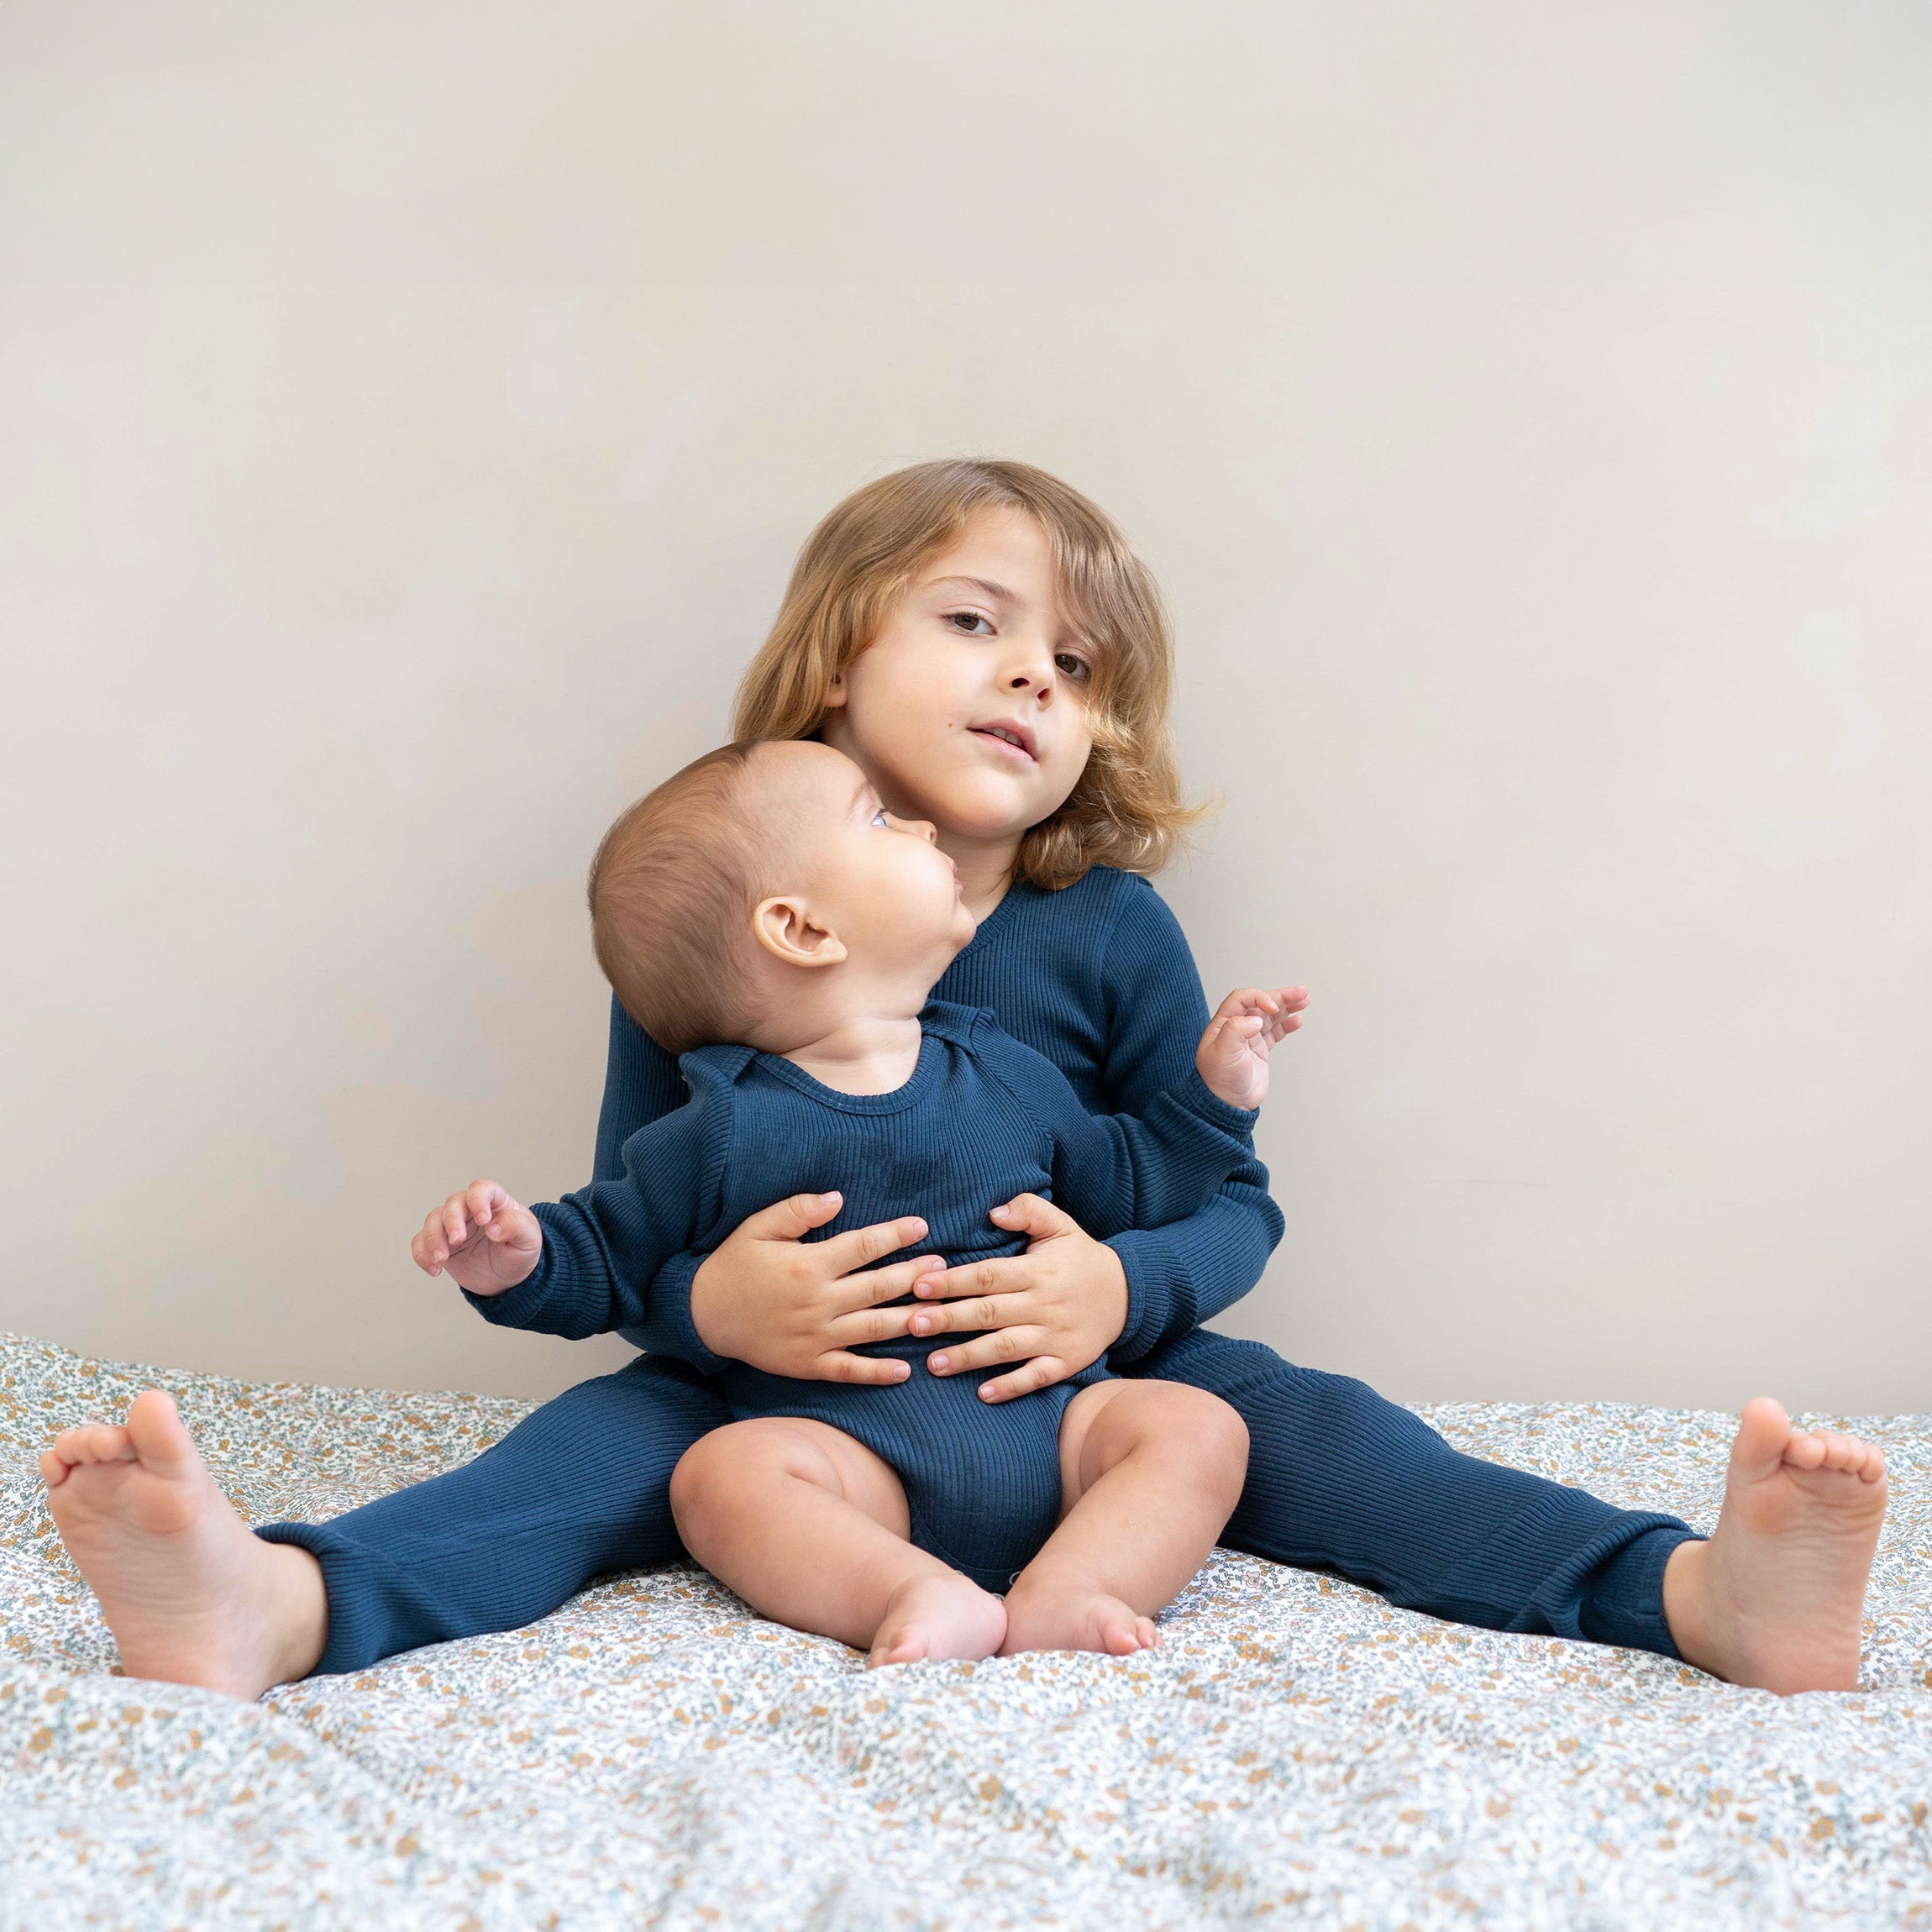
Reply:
x=407 y=418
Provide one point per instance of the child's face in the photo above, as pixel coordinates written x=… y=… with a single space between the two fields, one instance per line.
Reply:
x=975 y=654
x=878 y=881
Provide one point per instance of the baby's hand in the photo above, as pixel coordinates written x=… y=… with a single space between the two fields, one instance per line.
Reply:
x=1233 y=1056
x=488 y=1242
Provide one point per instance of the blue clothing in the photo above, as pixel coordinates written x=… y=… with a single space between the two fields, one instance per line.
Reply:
x=981 y=1120
x=1099 y=979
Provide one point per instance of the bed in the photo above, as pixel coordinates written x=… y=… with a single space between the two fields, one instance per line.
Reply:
x=653 y=1755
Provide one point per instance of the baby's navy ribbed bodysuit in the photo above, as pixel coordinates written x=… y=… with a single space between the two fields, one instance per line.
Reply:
x=982 y=1119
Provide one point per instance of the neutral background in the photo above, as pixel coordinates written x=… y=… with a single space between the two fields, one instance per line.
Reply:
x=407 y=417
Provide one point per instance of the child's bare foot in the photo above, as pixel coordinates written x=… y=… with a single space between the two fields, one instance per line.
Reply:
x=191 y=1594
x=1048 y=1616
x=1775 y=1600
x=947 y=1616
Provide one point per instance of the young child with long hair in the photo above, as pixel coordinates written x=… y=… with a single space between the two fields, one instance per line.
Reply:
x=982 y=642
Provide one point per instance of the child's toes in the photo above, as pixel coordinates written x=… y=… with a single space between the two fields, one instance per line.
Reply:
x=92 y=1442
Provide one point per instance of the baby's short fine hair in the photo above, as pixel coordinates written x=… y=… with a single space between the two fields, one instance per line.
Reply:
x=672 y=891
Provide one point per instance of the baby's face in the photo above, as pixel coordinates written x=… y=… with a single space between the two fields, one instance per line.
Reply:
x=879 y=882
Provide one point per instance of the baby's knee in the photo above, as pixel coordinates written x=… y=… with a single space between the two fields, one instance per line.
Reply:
x=695 y=1476
x=1210 y=1435
x=1178 y=1417
x=735 y=1468
x=713 y=1473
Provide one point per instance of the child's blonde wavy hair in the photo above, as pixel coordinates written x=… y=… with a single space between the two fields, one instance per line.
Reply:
x=1126 y=810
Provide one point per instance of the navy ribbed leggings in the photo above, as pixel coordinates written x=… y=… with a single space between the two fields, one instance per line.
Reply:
x=1338 y=1480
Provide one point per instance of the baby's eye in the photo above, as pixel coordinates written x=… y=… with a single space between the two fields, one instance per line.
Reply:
x=1072 y=667
x=966 y=620
x=879 y=817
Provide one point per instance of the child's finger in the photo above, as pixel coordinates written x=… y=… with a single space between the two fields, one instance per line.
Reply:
x=455 y=1228
x=838 y=1365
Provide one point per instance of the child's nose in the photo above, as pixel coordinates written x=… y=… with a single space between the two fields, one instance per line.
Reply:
x=923 y=826
x=1031 y=668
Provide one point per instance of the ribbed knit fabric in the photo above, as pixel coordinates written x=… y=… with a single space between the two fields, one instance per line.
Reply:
x=1340 y=1479
x=1099 y=979
x=982 y=1119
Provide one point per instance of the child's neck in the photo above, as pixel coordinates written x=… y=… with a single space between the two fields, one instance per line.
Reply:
x=985 y=868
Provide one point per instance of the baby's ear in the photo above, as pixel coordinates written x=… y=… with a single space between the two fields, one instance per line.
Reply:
x=787 y=930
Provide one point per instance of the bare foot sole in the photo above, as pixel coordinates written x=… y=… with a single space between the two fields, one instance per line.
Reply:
x=947 y=1616
x=1776 y=1599
x=191 y=1593
x=1046 y=1617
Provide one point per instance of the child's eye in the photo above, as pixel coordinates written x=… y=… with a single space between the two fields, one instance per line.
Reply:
x=965 y=621
x=879 y=817
x=1075 y=669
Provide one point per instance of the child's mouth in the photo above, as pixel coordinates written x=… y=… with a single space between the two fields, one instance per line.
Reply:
x=1015 y=737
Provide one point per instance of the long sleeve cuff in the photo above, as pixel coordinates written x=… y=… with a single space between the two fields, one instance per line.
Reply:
x=516 y=1306
x=1198 y=1097
x=668 y=1329
x=1148 y=1264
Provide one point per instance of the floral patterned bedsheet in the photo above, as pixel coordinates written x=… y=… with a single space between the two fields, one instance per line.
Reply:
x=653 y=1755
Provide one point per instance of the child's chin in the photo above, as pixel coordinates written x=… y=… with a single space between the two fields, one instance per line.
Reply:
x=990 y=805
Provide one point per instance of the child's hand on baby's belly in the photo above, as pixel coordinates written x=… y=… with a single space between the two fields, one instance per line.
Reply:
x=1232 y=1057
x=487 y=1241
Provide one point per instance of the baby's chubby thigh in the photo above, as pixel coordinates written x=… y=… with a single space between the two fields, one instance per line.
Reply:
x=726 y=1483
x=1114 y=1422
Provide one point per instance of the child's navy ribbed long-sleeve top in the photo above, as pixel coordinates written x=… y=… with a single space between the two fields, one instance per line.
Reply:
x=983 y=1118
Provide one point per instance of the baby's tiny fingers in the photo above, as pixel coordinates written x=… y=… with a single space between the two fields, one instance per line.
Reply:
x=483 y=1200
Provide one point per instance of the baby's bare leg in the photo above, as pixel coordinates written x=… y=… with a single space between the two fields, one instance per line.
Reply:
x=1150 y=1472
x=810 y=1528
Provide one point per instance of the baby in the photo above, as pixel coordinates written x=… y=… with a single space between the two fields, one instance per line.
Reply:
x=762 y=915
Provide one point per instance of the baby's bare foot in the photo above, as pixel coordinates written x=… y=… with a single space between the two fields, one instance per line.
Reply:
x=1775 y=1600
x=1050 y=1616
x=192 y=1596
x=947 y=1616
